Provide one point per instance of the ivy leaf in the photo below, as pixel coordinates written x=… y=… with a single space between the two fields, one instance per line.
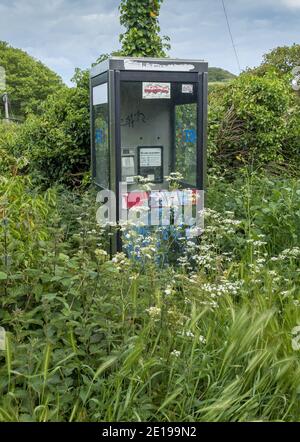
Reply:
x=3 y=276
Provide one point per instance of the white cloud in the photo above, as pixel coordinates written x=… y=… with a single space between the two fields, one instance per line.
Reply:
x=294 y=4
x=69 y=33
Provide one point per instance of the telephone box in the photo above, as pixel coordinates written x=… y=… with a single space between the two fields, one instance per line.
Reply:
x=148 y=119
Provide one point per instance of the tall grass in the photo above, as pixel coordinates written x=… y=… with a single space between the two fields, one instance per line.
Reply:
x=207 y=340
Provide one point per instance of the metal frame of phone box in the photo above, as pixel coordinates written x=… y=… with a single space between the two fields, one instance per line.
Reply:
x=117 y=69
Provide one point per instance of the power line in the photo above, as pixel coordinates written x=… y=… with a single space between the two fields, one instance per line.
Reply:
x=231 y=36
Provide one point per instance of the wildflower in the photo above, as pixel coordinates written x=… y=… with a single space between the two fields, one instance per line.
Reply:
x=176 y=353
x=290 y=253
x=202 y=339
x=154 y=312
x=100 y=252
x=225 y=288
x=259 y=243
x=134 y=277
x=119 y=258
x=168 y=291
x=187 y=334
x=173 y=177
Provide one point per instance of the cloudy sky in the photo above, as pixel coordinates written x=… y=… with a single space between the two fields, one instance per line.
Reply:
x=65 y=34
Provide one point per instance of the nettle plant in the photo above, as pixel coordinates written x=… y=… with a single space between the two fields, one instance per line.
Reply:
x=140 y=19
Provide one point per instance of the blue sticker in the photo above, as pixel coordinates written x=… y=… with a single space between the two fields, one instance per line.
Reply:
x=100 y=136
x=189 y=136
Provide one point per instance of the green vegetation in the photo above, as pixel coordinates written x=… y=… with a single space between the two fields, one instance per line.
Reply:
x=92 y=339
x=57 y=143
x=255 y=120
x=282 y=59
x=29 y=82
x=216 y=75
x=140 y=19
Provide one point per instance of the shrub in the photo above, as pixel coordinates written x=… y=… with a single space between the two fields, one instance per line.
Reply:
x=253 y=120
x=9 y=163
x=58 y=142
x=24 y=214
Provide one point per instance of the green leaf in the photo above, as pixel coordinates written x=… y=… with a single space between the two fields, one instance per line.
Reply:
x=3 y=276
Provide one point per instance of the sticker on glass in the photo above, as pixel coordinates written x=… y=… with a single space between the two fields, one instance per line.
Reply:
x=128 y=166
x=156 y=90
x=187 y=89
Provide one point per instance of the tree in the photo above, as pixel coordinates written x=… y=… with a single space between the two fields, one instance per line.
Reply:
x=140 y=19
x=29 y=82
x=219 y=75
x=282 y=59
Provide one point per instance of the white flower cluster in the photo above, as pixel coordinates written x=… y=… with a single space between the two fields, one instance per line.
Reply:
x=174 y=177
x=101 y=252
x=290 y=253
x=190 y=334
x=204 y=256
x=211 y=304
x=287 y=254
x=169 y=290
x=134 y=277
x=144 y=183
x=101 y=255
x=220 y=224
x=154 y=312
x=257 y=242
x=202 y=339
x=225 y=288
x=186 y=334
x=176 y=353
x=120 y=260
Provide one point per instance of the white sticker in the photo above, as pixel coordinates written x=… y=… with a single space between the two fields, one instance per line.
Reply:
x=151 y=177
x=156 y=90
x=128 y=162
x=2 y=338
x=133 y=65
x=150 y=157
x=128 y=166
x=130 y=179
x=187 y=89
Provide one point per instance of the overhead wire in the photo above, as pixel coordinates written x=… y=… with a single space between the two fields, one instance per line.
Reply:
x=231 y=36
